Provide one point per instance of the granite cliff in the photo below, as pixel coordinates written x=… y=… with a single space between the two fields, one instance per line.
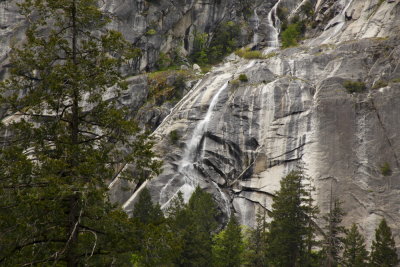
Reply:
x=238 y=139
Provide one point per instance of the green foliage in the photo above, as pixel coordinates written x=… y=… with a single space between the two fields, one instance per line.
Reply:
x=157 y=242
x=151 y=32
x=307 y=9
x=396 y=80
x=228 y=246
x=243 y=78
x=64 y=148
x=257 y=242
x=332 y=244
x=199 y=53
x=223 y=42
x=249 y=54
x=380 y=84
x=290 y=237
x=354 y=86
x=291 y=35
x=174 y=136
x=244 y=8
x=164 y=61
x=167 y=85
x=386 y=170
x=234 y=84
x=270 y=55
x=145 y=212
x=354 y=253
x=193 y=224
x=383 y=250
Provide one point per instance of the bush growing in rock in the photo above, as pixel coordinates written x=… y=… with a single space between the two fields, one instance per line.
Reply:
x=354 y=86
x=380 y=84
x=249 y=54
x=291 y=35
x=223 y=42
x=174 y=137
x=243 y=78
x=386 y=170
x=151 y=32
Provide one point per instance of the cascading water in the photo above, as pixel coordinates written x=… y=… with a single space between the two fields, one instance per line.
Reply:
x=186 y=165
x=256 y=26
x=189 y=155
x=274 y=24
x=187 y=172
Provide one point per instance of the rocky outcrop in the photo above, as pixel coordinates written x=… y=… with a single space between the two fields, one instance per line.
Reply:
x=239 y=138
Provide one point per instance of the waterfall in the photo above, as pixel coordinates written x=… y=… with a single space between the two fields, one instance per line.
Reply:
x=256 y=26
x=200 y=129
x=186 y=165
x=274 y=24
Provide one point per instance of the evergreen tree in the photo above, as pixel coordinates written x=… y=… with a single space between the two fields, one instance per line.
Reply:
x=196 y=225
x=145 y=211
x=291 y=231
x=383 y=250
x=257 y=242
x=332 y=244
x=354 y=253
x=228 y=246
x=68 y=137
x=158 y=244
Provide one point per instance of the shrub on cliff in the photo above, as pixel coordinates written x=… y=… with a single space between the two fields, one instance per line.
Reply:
x=354 y=86
x=291 y=35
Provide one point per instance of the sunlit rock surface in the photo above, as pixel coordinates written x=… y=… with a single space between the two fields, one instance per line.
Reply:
x=294 y=111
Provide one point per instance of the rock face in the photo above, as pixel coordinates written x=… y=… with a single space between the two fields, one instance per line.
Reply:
x=238 y=139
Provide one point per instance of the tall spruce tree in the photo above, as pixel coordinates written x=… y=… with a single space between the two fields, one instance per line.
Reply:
x=383 y=250
x=196 y=224
x=291 y=231
x=354 y=253
x=145 y=211
x=158 y=244
x=68 y=136
x=228 y=246
x=257 y=242
x=332 y=244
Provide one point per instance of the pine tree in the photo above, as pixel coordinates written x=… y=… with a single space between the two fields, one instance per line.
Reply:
x=228 y=246
x=158 y=244
x=145 y=211
x=383 y=250
x=354 y=253
x=332 y=242
x=257 y=242
x=195 y=225
x=68 y=137
x=290 y=236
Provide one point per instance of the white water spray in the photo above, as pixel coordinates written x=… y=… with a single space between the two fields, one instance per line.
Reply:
x=200 y=129
x=274 y=24
x=186 y=165
x=256 y=26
